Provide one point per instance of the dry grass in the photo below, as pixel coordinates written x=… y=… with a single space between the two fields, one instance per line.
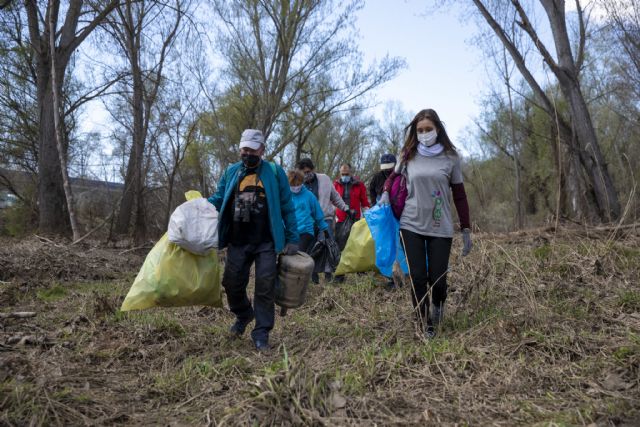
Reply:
x=540 y=330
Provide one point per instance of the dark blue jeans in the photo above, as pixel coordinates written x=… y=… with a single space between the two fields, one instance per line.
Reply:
x=236 y=279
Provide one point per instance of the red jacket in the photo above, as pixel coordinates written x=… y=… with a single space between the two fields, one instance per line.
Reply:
x=357 y=197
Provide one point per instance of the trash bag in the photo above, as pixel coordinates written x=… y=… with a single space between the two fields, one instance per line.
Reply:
x=173 y=277
x=194 y=225
x=326 y=255
x=343 y=229
x=359 y=254
x=384 y=229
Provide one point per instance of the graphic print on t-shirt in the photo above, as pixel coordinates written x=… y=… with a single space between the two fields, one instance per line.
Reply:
x=250 y=188
x=437 y=207
x=251 y=223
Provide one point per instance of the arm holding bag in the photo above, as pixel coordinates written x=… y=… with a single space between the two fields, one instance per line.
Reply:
x=384 y=230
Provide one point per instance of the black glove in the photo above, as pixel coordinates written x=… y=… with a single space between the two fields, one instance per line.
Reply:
x=352 y=214
x=291 y=249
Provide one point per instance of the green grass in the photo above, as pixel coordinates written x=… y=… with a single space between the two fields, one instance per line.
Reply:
x=55 y=293
x=629 y=300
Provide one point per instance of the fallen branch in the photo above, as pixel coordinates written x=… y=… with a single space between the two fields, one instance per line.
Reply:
x=135 y=249
x=18 y=315
x=94 y=230
x=44 y=239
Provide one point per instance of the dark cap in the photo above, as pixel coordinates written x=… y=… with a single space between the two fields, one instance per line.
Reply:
x=387 y=161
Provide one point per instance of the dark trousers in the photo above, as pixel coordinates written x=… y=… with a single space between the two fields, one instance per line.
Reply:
x=236 y=279
x=420 y=251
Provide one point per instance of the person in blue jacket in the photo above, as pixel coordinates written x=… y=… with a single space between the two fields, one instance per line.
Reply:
x=256 y=221
x=308 y=212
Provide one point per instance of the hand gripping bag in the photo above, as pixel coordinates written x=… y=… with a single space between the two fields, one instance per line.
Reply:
x=194 y=225
x=384 y=229
x=326 y=255
x=173 y=277
x=343 y=229
x=359 y=254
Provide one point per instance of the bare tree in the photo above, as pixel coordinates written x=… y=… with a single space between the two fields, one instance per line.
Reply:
x=69 y=37
x=178 y=111
x=584 y=150
x=624 y=18
x=295 y=64
x=57 y=126
x=145 y=32
x=390 y=129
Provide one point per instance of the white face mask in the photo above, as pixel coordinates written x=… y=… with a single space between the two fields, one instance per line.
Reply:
x=428 y=138
x=295 y=188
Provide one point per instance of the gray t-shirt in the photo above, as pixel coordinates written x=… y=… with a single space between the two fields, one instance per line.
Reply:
x=427 y=210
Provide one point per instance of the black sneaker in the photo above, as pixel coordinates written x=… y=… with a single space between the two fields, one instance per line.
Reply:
x=262 y=346
x=237 y=329
x=429 y=332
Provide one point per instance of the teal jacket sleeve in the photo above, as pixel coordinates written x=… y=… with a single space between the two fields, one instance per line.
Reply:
x=217 y=198
x=288 y=208
x=317 y=213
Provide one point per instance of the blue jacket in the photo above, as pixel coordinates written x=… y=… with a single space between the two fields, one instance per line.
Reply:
x=308 y=212
x=282 y=214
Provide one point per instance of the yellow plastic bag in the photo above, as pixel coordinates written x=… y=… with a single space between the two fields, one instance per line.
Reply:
x=174 y=277
x=359 y=253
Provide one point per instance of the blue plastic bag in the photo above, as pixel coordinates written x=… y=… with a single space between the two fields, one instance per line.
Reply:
x=384 y=229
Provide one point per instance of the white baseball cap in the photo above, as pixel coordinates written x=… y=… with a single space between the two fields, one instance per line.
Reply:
x=251 y=138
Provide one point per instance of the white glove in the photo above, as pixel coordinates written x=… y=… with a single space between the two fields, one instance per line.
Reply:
x=384 y=199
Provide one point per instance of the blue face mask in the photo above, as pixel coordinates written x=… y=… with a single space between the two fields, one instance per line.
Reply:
x=345 y=179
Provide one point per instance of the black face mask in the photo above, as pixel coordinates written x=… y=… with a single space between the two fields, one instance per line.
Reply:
x=387 y=172
x=250 y=160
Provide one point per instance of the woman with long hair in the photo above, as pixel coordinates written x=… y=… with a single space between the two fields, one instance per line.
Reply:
x=431 y=166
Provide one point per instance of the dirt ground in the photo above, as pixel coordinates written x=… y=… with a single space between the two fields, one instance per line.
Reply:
x=542 y=328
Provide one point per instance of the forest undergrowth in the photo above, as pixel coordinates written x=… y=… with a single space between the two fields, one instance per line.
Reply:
x=542 y=328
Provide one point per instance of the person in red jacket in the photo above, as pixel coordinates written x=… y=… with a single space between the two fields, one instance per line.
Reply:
x=353 y=192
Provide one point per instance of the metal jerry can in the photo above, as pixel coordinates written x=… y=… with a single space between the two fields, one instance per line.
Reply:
x=294 y=274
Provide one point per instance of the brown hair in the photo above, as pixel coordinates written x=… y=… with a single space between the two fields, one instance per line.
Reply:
x=411 y=139
x=295 y=177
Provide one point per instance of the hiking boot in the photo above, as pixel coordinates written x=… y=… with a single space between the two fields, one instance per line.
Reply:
x=237 y=329
x=262 y=346
x=429 y=332
x=437 y=313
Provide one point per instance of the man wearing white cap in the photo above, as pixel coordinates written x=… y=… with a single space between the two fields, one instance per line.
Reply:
x=256 y=221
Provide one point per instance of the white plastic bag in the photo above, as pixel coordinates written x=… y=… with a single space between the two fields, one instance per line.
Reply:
x=194 y=226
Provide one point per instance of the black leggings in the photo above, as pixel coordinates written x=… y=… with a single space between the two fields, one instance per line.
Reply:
x=434 y=251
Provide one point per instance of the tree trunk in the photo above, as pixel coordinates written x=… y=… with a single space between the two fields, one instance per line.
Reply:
x=56 y=85
x=167 y=214
x=133 y=178
x=575 y=199
x=590 y=155
x=516 y=150
x=52 y=212
x=567 y=71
